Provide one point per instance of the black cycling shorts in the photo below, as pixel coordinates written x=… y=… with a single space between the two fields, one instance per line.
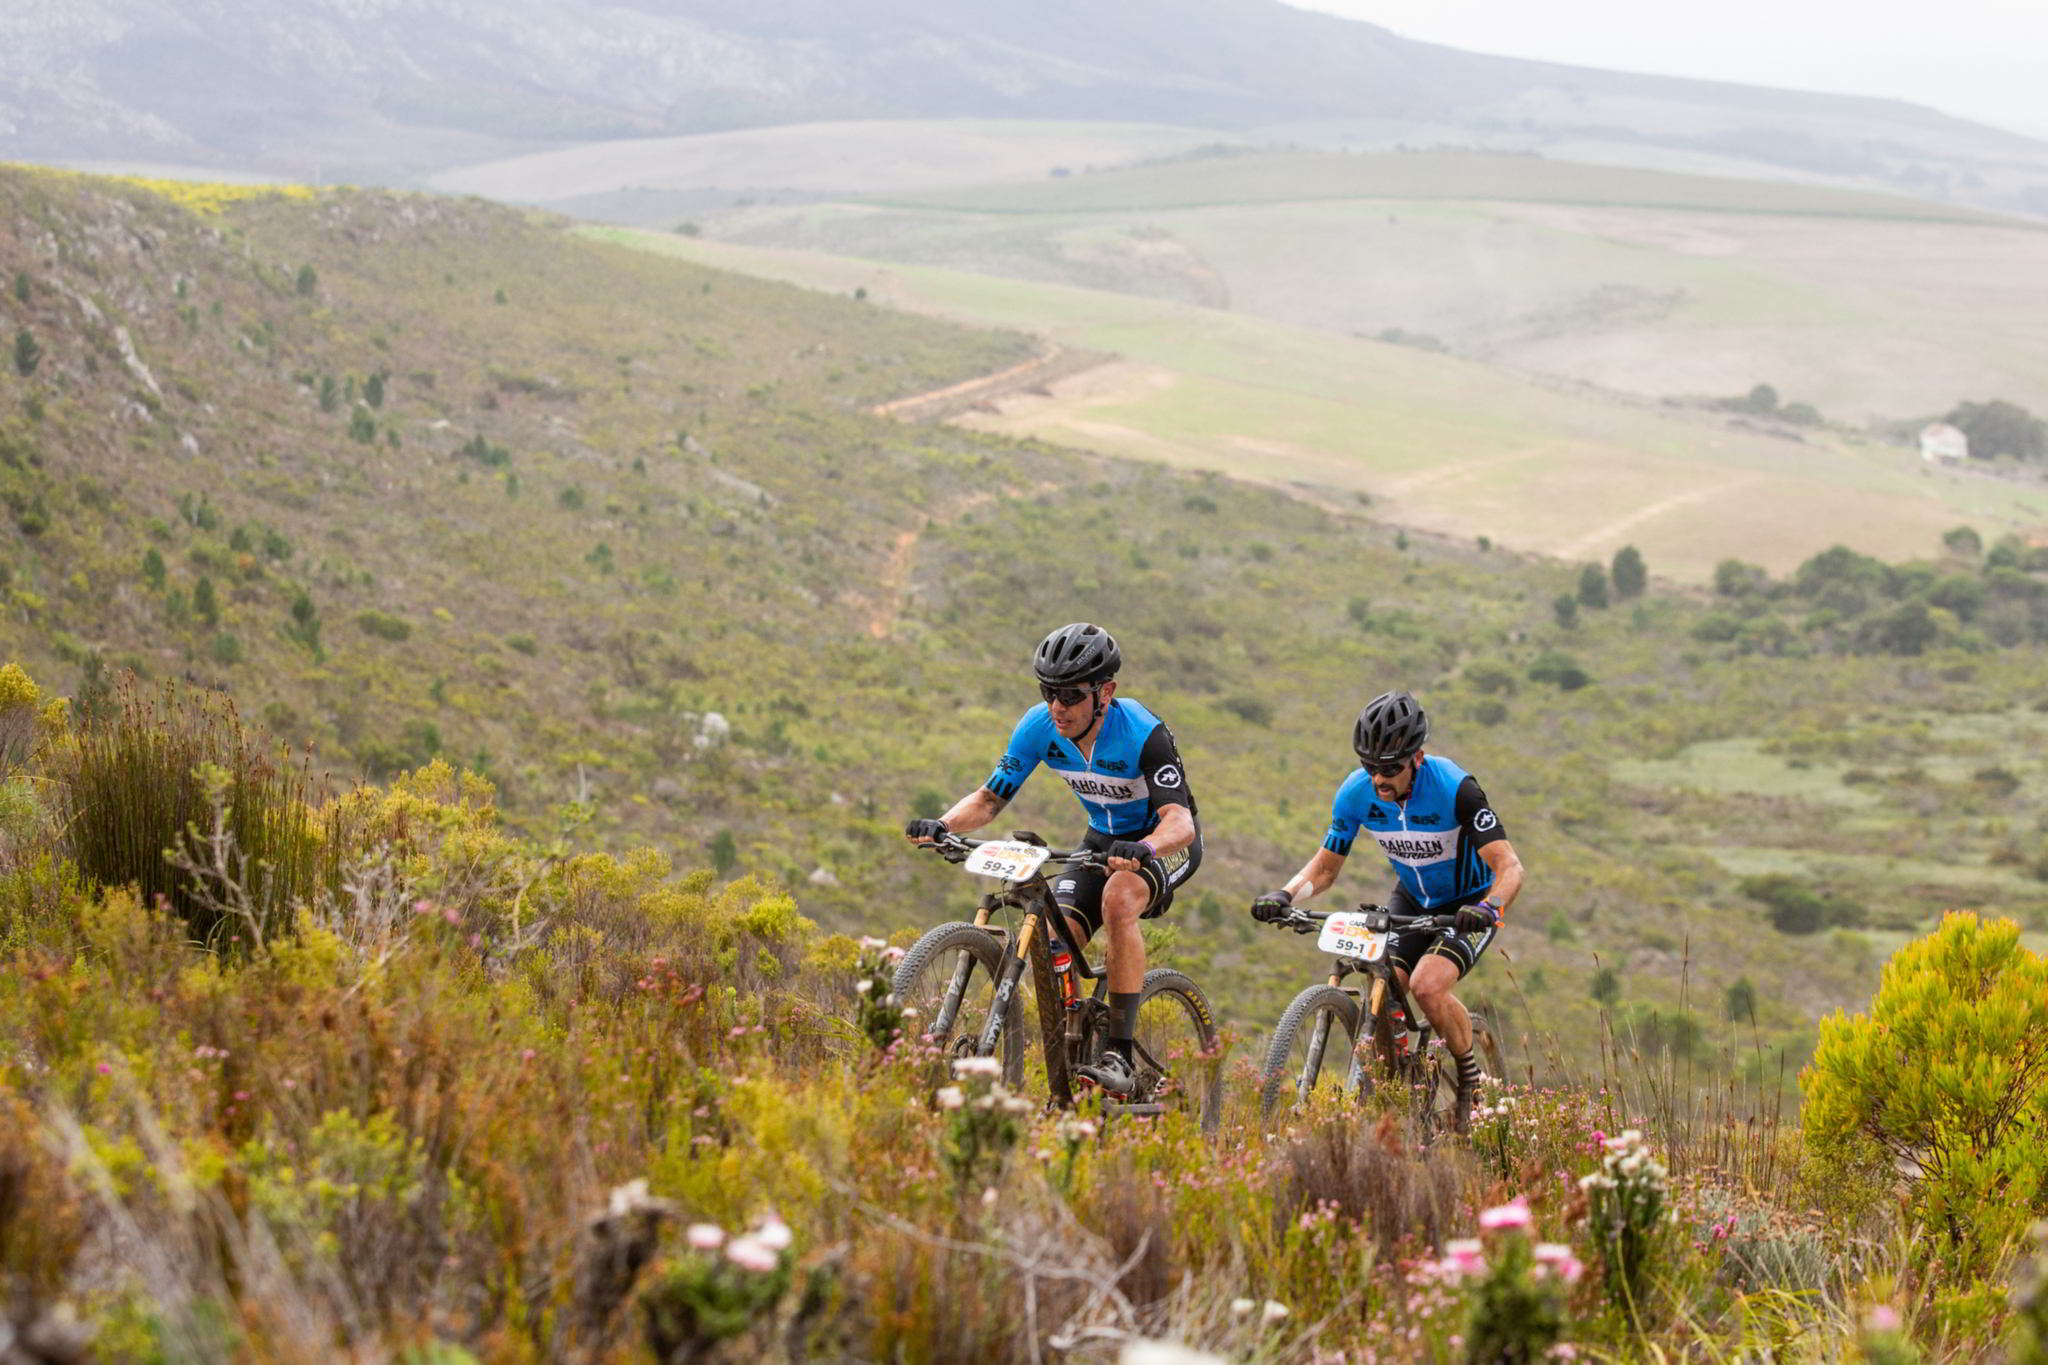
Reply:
x=1409 y=948
x=1079 y=889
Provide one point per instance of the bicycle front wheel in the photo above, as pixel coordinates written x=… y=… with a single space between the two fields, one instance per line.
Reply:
x=1312 y=1046
x=949 y=977
x=1180 y=1058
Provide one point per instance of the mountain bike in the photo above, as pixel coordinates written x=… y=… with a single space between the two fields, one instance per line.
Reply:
x=1359 y=1035
x=963 y=979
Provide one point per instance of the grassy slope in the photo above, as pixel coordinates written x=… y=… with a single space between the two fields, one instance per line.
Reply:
x=1436 y=441
x=854 y=595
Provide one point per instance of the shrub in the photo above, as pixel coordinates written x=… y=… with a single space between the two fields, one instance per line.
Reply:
x=1251 y=709
x=1560 y=669
x=1630 y=574
x=1605 y=986
x=1593 y=587
x=308 y=280
x=170 y=796
x=1627 y=1217
x=1567 y=609
x=1945 y=1083
x=27 y=354
x=383 y=625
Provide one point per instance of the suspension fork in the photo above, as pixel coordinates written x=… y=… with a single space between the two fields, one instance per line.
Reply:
x=956 y=991
x=1006 y=988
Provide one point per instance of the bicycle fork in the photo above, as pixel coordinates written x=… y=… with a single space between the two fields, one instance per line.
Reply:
x=1006 y=989
x=956 y=993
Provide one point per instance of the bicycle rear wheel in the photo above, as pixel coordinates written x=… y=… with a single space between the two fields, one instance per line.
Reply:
x=949 y=977
x=1312 y=1047
x=1180 y=1060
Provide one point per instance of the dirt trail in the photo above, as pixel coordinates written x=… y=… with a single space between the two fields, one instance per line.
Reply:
x=1055 y=362
x=892 y=585
x=1595 y=539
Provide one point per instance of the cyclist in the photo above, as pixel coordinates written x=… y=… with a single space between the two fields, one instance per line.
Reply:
x=1448 y=851
x=1122 y=764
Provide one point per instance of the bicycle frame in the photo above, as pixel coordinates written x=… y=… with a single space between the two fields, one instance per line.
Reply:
x=1384 y=983
x=1063 y=1028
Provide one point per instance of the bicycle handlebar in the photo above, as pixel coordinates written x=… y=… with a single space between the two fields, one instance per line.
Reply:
x=954 y=848
x=1305 y=921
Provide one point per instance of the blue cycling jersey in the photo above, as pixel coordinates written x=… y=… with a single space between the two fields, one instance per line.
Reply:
x=1133 y=770
x=1432 y=839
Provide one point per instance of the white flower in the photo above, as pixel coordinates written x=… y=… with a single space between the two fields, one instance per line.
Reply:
x=751 y=1253
x=868 y=943
x=952 y=1097
x=1164 y=1353
x=1273 y=1311
x=705 y=1236
x=965 y=1067
x=910 y=1011
x=1241 y=1307
x=863 y=987
x=773 y=1234
x=893 y=954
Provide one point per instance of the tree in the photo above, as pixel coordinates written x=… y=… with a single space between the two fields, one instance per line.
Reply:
x=1740 y=1002
x=1630 y=574
x=308 y=280
x=153 y=568
x=205 y=604
x=1567 y=608
x=1733 y=578
x=27 y=354
x=2001 y=428
x=361 y=426
x=725 y=851
x=373 y=390
x=1761 y=399
x=1944 y=1084
x=1963 y=542
x=1593 y=587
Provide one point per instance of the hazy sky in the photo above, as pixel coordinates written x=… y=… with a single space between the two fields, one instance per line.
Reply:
x=1980 y=59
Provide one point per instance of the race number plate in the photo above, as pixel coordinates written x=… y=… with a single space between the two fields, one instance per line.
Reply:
x=1347 y=936
x=1013 y=862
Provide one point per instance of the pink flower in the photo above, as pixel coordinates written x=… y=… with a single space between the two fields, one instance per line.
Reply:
x=1560 y=1260
x=705 y=1236
x=1462 y=1256
x=1510 y=1215
x=104 y=1069
x=773 y=1234
x=1883 y=1318
x=751 y=1253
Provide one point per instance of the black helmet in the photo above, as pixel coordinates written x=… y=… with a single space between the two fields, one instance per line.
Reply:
x=1077 y=654
x=1392 y=727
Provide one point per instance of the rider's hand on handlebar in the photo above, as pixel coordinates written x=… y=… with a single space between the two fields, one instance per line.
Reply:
x=924 y=831
x=1126 y=855
x=1273 y=905
x=1477 y=918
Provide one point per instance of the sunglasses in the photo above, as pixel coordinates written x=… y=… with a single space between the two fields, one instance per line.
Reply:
x=1065 y=696
x=1394 y=769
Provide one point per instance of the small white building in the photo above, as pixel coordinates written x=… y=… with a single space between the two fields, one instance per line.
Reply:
x=1941 y=443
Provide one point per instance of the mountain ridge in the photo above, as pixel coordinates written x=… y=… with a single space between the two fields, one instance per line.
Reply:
x=392 y=90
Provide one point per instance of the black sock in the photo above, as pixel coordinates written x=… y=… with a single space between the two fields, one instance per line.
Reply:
x=1468 y=1068
x=1123 y=1021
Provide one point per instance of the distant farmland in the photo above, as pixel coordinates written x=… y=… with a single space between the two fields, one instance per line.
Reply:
x=1434 y=441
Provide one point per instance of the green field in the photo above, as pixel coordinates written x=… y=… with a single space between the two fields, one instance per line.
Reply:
x=1863 y=306
x=1437 y=442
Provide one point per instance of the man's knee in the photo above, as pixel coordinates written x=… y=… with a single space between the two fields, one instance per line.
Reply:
x=1125 y=897
x=1434 y=979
